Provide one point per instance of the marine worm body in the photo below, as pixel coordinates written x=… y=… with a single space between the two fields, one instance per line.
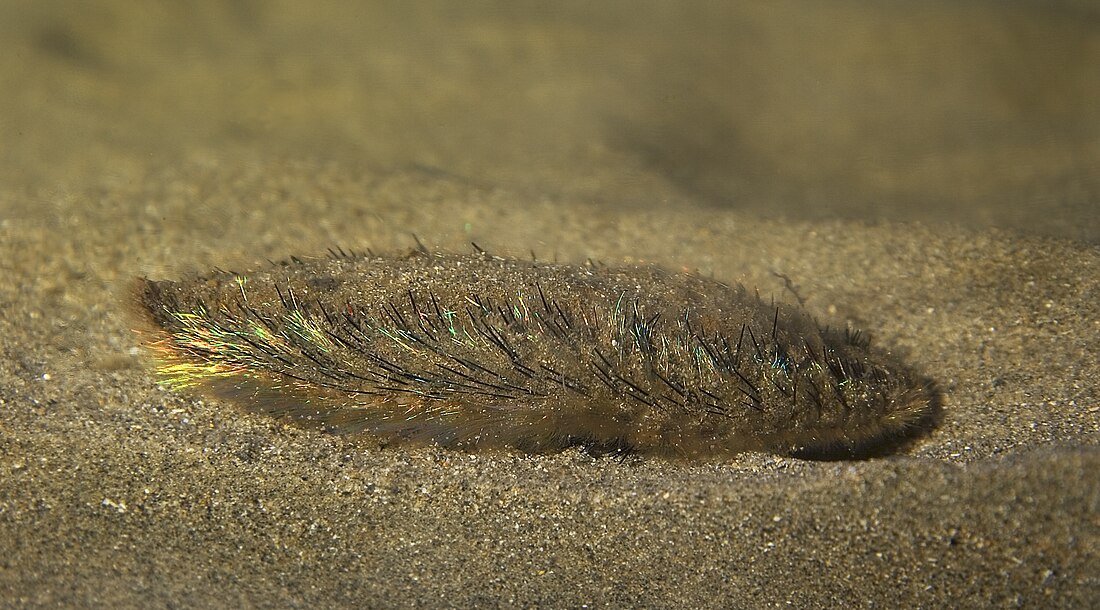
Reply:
x=477 y=351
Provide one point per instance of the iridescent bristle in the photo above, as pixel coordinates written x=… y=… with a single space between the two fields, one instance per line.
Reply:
x=481 y=351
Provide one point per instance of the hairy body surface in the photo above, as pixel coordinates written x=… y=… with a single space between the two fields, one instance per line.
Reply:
x=477 y=351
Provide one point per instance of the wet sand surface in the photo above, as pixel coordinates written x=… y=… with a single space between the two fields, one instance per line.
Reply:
x=929 y=175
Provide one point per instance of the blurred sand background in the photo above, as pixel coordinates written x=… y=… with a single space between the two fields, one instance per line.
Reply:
x=929 y=172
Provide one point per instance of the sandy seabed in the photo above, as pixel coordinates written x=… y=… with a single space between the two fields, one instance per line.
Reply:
x=117 y=492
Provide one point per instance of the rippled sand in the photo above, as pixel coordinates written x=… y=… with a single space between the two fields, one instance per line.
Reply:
x=927 y=176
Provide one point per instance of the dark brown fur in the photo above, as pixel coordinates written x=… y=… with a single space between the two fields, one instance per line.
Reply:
x=479 y=351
